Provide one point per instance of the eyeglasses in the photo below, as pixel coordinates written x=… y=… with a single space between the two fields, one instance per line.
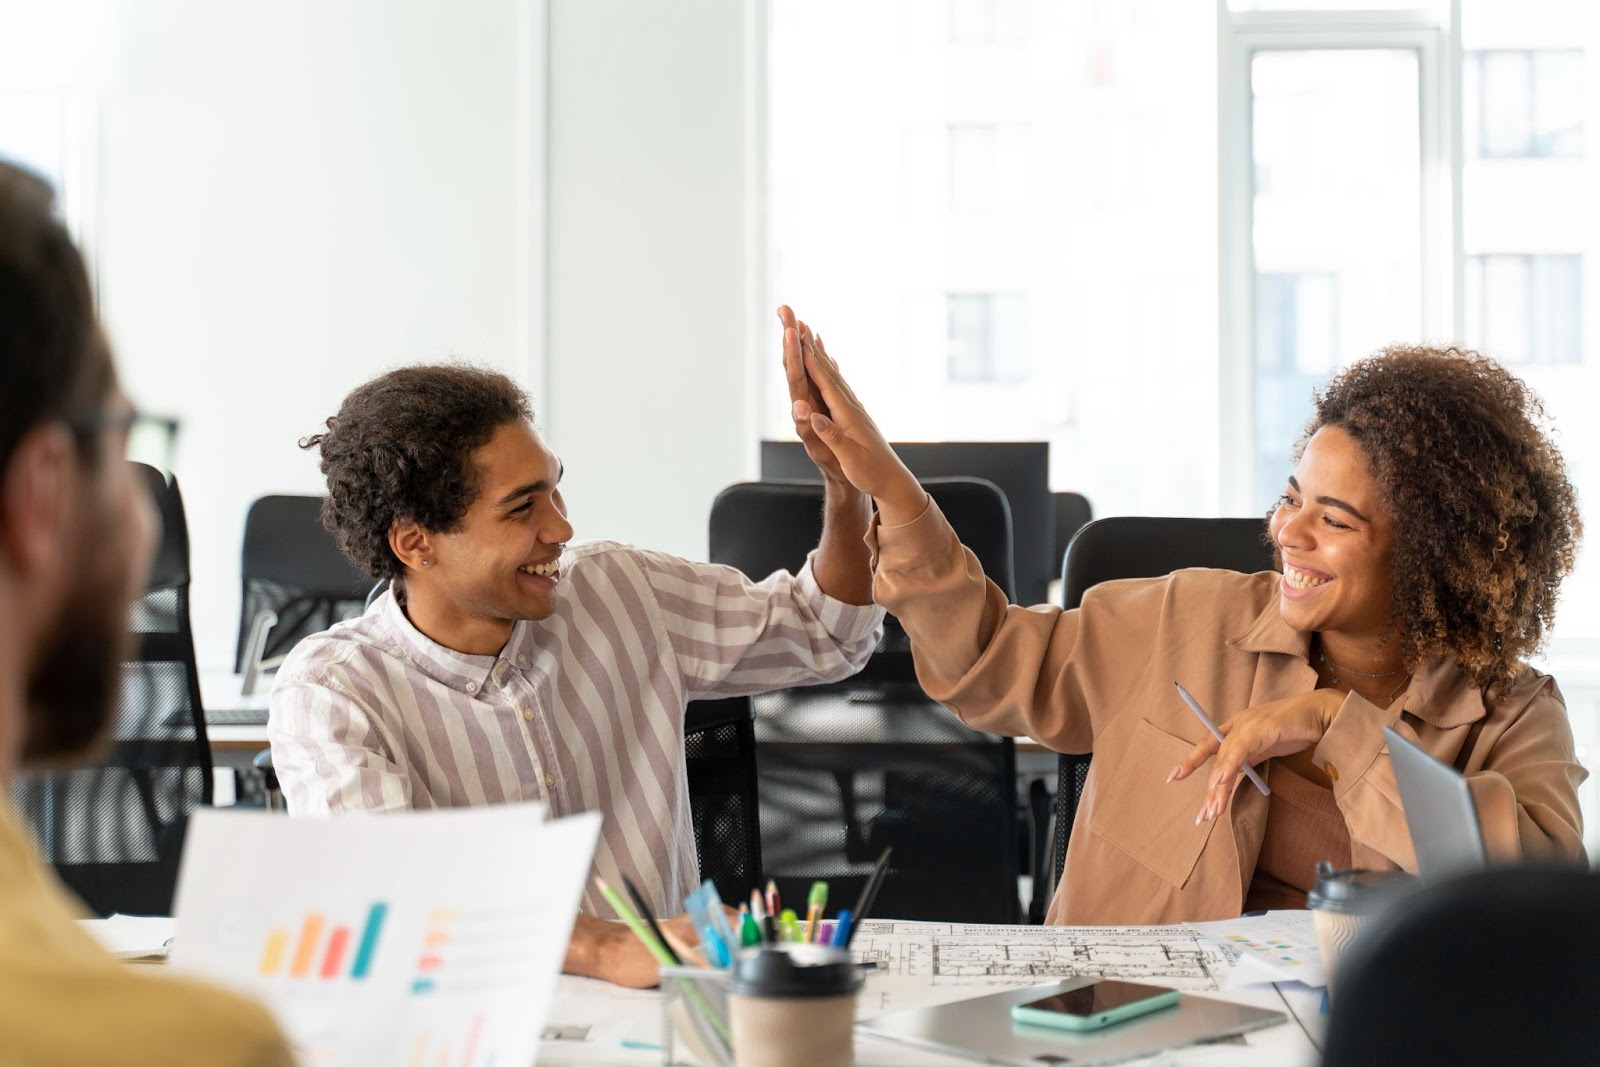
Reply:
x=151 y=439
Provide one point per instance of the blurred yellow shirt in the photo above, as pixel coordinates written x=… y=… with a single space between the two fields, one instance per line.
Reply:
x=65 y=1002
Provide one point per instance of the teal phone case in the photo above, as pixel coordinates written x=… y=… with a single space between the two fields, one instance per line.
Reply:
x=1060 y=1020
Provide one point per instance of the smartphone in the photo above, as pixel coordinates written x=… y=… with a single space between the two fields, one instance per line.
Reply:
x=1094 y=1006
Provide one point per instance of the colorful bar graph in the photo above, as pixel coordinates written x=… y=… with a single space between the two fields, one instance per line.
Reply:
x=334 y=959
x=303 y=960
x=369 y=940
x=306 y=947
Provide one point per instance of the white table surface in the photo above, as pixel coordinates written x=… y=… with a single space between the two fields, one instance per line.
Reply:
x=622 y=1026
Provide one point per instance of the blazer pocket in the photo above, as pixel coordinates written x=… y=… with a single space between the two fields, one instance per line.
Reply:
x=1147 y=817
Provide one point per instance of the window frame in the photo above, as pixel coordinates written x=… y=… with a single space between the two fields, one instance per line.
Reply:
x=1242 y=36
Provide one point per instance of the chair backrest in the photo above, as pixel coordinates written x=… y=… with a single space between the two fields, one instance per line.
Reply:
x=842 y=777
x=114 y=830
x=719 y=746
x=1492 y=967
x=1072 y=513
x=292 y=566
x=1135 y=546
x=761 y=527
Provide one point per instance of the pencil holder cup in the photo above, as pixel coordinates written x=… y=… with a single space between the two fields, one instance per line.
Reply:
x=793 y=1005
x=694 y=1018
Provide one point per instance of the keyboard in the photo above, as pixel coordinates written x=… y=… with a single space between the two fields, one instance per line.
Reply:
x=236 y=716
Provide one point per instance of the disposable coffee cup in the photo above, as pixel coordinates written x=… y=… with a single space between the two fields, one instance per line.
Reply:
x=1342 y=902
x=793 y=1005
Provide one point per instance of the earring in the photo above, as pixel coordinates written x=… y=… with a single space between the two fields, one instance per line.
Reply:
x=424 y=563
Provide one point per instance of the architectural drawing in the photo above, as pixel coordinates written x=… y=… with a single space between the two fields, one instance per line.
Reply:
x=967 y=955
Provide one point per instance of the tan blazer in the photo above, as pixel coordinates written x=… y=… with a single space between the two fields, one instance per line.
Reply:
x=1099 y=679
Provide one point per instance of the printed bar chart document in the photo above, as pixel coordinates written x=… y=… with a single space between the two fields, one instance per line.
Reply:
x=410 y=938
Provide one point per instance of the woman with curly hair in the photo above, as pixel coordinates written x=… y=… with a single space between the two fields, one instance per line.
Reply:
x=1421 y=539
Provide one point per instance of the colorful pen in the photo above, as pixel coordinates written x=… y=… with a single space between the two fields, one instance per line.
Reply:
x=749 y=929
x=1205 y=720
x=815 y=905
x=841 y=930
x=788 y=926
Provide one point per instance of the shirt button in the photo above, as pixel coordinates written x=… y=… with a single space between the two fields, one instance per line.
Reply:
x=522 y=661
x=527 y=714
x=472 y=687
x=1331 y=771
x=549 y=780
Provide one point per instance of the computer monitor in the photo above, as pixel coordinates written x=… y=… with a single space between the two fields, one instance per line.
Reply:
x=1020 y=468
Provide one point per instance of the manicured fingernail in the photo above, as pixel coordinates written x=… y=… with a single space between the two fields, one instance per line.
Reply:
x=1173 y=775
x=1201 y=816
x=821 y=422
x=800 y=410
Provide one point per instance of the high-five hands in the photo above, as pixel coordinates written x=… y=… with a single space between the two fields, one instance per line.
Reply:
x=837 y=432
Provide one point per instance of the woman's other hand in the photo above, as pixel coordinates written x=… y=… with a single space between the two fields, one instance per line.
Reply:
x=1278 y=728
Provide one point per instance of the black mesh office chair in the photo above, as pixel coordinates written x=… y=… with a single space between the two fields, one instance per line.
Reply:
x=849 y=769
x=719 y=747
x=294 y=574
x=1131 y=546
x=114 y=831
x=1072 y=513
x=1486 y=969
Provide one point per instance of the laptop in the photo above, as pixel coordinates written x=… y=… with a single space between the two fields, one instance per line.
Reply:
x=982 y=1029
x=1439 y=811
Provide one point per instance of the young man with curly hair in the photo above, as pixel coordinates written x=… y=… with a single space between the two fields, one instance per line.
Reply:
x=77 y=533
x=1421 y=539
x=507 y=663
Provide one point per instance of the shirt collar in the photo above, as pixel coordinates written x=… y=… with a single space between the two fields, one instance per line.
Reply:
x=458 y=670
x=1440 y=693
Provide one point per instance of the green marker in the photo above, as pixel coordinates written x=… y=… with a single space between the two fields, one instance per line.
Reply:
x=788 y=925
x=815 y=905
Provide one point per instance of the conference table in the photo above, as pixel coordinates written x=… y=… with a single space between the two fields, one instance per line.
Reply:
x=592 y=1024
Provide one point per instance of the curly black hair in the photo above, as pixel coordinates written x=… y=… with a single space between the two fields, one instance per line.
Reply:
x=400 y=449
x=1486 y=521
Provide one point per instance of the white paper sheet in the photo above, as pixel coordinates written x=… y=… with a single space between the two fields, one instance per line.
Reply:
x=1280 y=946
x=132 y=937
x=422 y=937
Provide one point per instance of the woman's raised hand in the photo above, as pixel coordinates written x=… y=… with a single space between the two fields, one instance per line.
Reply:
x=837 y=432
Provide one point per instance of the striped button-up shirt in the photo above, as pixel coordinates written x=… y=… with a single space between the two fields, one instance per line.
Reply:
x=582 y=711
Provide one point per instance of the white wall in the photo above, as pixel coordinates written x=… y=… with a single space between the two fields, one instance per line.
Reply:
x=299 y=195
x=294 y=197
x=649 y=401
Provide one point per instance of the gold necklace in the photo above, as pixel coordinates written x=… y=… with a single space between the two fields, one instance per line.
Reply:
x=1334 y=670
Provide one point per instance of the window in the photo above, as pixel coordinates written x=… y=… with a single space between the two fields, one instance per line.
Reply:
x=993 y=209
x=1297 y=345
x=988 y=337
x=988 y=170
x=987 y=21
x=1335 y=234
x=1523 y=103
x=1526 y=309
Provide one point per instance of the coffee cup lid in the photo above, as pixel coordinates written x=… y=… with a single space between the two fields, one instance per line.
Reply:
x=794 y=969
x=1355 y=889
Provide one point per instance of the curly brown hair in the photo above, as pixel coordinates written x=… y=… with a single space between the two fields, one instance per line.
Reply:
x=1486 y=521
x=400 y=449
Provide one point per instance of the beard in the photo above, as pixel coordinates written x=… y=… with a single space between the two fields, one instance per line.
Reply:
x=75 y=679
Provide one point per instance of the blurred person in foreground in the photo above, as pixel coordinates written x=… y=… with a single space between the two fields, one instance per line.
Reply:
x=77 y=533
x=1421 y=541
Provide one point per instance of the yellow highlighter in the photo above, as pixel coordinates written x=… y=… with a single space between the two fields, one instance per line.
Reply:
x=817 y=901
